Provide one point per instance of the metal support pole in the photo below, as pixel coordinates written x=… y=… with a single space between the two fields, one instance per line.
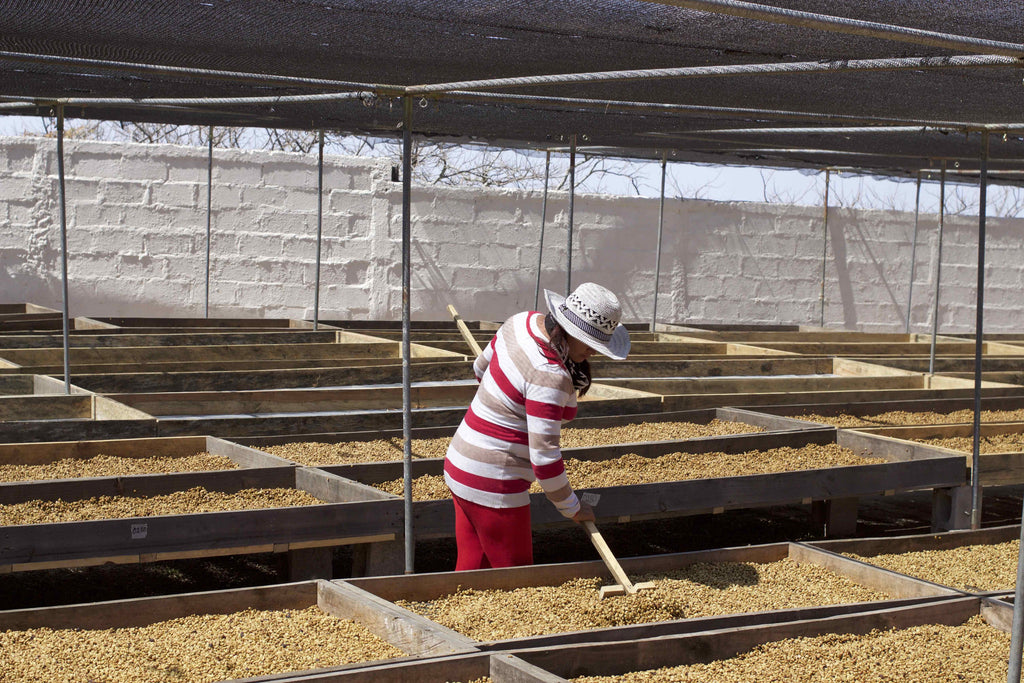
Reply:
x=824 y=248
x=410 y=546
x=938 y=267
x=319 y=227
x=978 y=343
x=209 y=209
x=657 y=258
x=572 y=198
x=63 y=250
x=913 y=250
x=1017 y=629
x=543 y=222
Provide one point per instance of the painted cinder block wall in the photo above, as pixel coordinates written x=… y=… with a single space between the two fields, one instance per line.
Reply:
x=137 y=245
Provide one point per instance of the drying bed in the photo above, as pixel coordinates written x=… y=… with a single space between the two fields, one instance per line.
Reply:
x=632 y=469
x=889 y=413
x=1001 y=446
x=973 y=650
x=842 y=381
x=550 y=605
x=305 y=531
x=120 y=457
x=150 y=358
x=353 y=449
x=978 y=561
x=200 y=636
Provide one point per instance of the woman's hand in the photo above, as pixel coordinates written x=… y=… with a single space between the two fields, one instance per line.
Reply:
x=586 y=514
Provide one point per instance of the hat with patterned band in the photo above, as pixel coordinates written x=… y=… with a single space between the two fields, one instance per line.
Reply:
x=591 y=314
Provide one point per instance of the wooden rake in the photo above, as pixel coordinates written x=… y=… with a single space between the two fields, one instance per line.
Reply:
x=624 y=585
x=464 y=329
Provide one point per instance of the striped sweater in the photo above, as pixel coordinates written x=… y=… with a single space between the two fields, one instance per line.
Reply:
x=510 y=435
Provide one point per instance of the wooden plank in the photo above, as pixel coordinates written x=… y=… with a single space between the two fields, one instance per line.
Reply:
x=297 y=400
x=766 y=420
x=347 y=372
x=893 y=583
x=41 y=453
x=118 y=337
x=298 y=424
x=817 y=398
x=752 y=385
x=442 y=669
x=406 y=630
x=16 y=384
x=511 y=669
x=932 y=401
x=145 y=611
x=334 y=489
x=25 y=431
x=998 y=613
x=36 y=543
x=45 y=407
x=243 y=455
x=893 y=450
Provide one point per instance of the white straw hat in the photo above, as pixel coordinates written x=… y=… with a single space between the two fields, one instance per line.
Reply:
x=591 y=314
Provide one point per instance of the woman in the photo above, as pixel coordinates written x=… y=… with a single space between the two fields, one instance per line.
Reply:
x=529 y=376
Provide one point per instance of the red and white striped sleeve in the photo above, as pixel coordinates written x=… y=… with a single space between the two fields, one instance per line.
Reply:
x=550 y=399
x=484 y=359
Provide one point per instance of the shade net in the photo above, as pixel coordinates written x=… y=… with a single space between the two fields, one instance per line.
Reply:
x=403 y=43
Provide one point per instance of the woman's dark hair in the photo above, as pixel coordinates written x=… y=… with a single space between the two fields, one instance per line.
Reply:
x=580 y=372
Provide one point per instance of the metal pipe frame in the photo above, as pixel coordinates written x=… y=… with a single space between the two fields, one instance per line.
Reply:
x=65 y=318
x=240 y=77
x=657 y=258
x=913 y=250
x=938 y=267
x=832 y=24
x=720 y=70
x=978 y=340
x=572 y=202
x=671 y=109
x=1017 y=627
x=209 y=211
x=543 y=222
x=410 y=545
x=319 y=225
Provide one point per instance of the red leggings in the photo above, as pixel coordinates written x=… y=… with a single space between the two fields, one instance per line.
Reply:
x=492 y=537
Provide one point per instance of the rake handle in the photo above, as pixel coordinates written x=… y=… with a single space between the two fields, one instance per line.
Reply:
x=609 y=559
x=466 y=334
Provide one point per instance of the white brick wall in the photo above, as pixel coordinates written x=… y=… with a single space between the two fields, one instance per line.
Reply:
x=137 y=243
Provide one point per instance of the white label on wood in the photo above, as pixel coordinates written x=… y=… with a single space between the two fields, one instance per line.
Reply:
x=591 y=499
x=140 y=530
